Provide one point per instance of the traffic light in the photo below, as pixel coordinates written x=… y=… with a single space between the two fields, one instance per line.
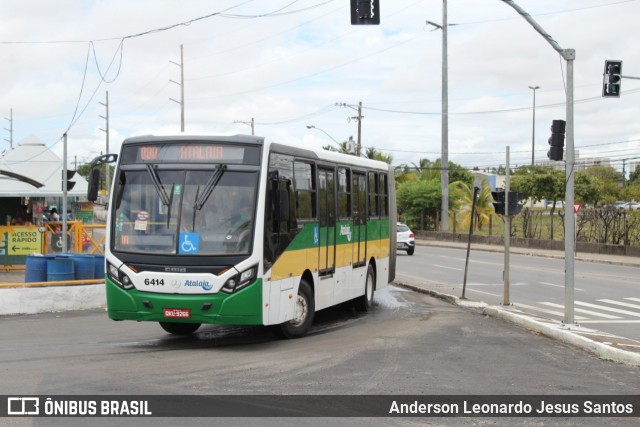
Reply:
x=612 y=79
x=556 y=141
x=498 y=201
x=70 y=184
x=514 y=203
x=365 y=12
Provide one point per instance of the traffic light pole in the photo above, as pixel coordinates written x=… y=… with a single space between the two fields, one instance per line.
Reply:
x=64 y=193
x=506 y=300
x=569 y=55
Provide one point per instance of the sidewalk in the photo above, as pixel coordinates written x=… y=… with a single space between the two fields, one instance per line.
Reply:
x=604 y=345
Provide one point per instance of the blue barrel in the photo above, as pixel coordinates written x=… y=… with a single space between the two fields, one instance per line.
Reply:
x=98 y=265
x=60 y=269
x=35 y=269
x=83 y=265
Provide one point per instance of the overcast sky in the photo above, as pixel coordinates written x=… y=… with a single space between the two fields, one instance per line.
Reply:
x=288 y=63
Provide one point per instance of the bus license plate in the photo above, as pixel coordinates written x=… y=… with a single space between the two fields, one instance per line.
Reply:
x=177 y=313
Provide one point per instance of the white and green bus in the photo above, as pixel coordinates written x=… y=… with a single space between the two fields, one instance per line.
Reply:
x=239 y=230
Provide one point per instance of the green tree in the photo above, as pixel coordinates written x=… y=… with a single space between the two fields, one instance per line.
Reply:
x=540 y=183
x=610 y=181
x=588 y=189
x=419 y=202
x=634 y=177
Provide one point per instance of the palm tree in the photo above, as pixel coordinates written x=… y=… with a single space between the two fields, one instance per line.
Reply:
x=374 y=154
x=343 y=147
x=462 y=200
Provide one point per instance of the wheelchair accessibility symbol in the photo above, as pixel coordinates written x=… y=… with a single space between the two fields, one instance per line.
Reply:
x=189 y=243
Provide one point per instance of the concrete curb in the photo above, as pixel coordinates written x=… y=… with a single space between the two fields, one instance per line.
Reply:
x=547 y=327
x=565 y=334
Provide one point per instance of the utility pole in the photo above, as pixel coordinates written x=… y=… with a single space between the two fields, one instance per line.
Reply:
x=181 y=84
x=251 y=123
x=506 y=300
x=568 y=55
x=359 y=118
x=444 y=145
x=106 y=131
x=533 y=132
x=10 y=120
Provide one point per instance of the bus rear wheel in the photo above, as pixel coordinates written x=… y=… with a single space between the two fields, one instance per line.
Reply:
x=303 y=315
x=180 y=328
x=365 y=302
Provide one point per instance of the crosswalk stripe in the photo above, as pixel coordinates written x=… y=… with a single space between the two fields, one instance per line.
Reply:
x=611 y=321
x=558 y=286
x=542 y=310
x=601 y=307
x=633 y=299
x=580 y=310
x=624 y=304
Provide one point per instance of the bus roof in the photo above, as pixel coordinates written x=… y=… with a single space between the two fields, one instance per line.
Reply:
x=285 y=148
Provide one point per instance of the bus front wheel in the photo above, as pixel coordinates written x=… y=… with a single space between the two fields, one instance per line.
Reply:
x=303 y=315
x=180 y=328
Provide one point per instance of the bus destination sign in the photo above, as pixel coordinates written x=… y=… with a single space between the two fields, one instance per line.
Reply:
x=184 y=153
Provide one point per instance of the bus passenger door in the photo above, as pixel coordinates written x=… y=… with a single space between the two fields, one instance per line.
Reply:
x=359 y=219
x=327 y=228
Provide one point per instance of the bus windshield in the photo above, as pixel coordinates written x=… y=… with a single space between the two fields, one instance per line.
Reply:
x=184 y=212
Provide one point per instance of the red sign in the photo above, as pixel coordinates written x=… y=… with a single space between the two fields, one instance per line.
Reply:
x=177 y=313
x=576 y=208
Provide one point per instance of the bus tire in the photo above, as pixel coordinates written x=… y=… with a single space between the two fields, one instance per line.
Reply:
x=303 y=315
x=180 y=328
x=365 y=302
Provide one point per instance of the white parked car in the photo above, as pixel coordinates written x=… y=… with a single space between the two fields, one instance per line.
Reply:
x=406 y=240
x=630 y=206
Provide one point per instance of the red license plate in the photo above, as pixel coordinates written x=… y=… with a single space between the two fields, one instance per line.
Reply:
x=177 y=313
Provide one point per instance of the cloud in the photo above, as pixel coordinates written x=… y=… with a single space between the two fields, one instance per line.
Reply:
x=290 y=70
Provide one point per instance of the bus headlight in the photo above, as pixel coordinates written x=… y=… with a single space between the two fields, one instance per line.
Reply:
x=118 y=277
x=241 y=280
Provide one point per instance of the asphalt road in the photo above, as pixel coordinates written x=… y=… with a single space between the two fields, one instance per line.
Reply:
x=409 y=344
x=607 y=296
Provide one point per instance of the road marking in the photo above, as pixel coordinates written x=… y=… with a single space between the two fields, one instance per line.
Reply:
x=624 y=304
x=633 y=299
x=593 y=313
x=542 y=310
x=486 y=293
x=615 y=310
x=444 y=266
x=611 y=321
x=558 y=286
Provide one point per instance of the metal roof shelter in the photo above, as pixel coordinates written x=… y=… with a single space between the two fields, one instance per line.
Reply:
x=32 y=159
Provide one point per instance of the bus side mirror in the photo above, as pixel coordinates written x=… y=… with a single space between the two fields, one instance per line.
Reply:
x=94 y=185
x=283 y=204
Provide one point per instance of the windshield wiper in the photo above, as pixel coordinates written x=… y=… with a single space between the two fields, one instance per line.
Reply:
x=170 y=204
x=155 y=179
x=208 y=189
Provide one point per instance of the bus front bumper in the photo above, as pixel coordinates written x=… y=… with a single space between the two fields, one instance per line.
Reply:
x=241 y=308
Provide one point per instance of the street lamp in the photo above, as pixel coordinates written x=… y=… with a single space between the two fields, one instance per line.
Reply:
x=325 y=132
x=533 y=135
x=444 y=155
